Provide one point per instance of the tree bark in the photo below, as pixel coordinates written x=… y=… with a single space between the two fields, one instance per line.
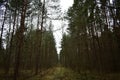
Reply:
x=40 y=40
x=2 y=29
x=19 y=38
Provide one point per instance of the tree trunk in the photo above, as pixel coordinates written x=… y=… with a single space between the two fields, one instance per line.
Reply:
x=19 y=38
x=9 y=51
x=40 y=40
x=2 y=29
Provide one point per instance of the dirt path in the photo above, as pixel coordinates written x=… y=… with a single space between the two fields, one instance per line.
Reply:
x=56 y=73
x=61 y=73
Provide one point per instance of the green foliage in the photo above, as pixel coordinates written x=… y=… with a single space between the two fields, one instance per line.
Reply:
x=18 y=3
x=1 y=1
x=91 y=43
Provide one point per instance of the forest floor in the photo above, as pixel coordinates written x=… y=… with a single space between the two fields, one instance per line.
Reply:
x=57 y=73
x=62 y=73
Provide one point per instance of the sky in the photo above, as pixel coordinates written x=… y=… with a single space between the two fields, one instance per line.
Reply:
x=65 y=4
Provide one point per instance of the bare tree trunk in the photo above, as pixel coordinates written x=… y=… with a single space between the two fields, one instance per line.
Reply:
x=2 y=29
x=9 y=51
x=20 y=36
x=40 y=40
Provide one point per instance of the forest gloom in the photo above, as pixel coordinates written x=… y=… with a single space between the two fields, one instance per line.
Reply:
x=90 y=44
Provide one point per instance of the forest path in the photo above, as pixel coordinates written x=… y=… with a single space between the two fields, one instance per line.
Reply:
x=57 y=73
x=62 y=73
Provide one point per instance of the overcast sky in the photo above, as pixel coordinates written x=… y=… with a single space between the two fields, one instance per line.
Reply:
x=65 y=4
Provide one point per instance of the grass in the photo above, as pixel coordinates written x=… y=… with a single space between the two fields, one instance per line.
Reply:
x=62 y=73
